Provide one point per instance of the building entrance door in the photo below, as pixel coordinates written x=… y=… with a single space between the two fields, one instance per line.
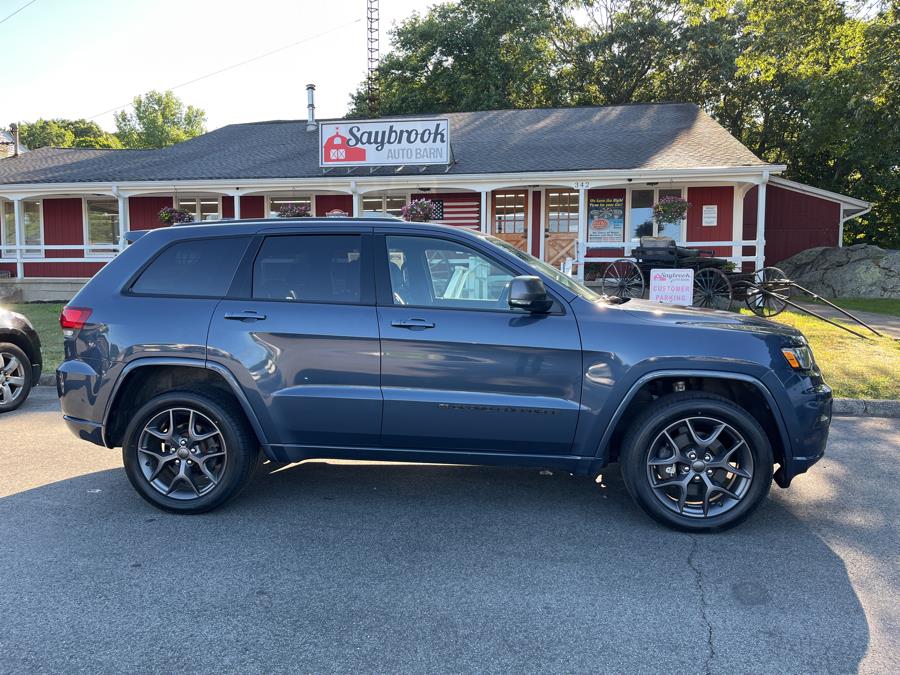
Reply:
x=560 y=226
x=509 y=217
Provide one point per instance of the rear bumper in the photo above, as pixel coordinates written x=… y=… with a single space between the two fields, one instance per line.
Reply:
x=82 y=399
x=85 y=429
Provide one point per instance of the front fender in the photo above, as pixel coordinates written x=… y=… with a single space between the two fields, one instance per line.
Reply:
x=604 y=423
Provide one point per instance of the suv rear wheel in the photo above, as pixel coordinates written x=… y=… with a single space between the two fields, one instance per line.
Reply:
x=15 y=376
x=697 y=461
x=189 y=452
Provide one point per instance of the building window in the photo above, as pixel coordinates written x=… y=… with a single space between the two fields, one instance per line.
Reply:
x=509 y=212
x=8 y=225
x=562 y=211
x=278 y=203
x=387 y=205
x=32 y=228
x=203 y=208
x=641 y=215
x=102 y=226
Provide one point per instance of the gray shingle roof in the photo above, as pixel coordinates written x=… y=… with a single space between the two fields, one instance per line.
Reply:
x=645 y=136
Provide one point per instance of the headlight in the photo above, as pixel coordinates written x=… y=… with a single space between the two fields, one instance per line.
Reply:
x=799 y=358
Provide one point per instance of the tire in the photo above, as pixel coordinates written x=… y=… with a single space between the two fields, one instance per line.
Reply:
x=153 y=451
x=15 y=377
x=714 y=497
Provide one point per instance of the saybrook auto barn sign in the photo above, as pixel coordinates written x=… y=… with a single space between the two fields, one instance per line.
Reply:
x=384 y=142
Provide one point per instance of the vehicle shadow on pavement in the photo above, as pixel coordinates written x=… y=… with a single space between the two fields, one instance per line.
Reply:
x=348 y=567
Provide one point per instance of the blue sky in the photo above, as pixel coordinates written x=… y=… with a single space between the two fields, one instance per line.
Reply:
x=79 y=58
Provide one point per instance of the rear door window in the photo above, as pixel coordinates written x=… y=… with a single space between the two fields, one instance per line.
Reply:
x=309 y=268
x=195 y=267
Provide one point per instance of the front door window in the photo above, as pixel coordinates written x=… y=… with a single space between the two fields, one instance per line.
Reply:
x=429 y=272
x=561 y=230
x=511 y=217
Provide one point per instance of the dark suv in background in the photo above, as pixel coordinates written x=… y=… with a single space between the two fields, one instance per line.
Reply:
x=384 y=340
x=20 y=359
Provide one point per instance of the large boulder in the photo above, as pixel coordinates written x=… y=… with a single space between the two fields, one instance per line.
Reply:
x=861 y=271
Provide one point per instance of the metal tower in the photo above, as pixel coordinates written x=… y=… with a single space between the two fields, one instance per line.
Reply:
x=372 y=89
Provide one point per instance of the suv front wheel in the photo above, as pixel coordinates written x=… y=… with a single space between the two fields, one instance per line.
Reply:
x=187 y=452
x=696 y=461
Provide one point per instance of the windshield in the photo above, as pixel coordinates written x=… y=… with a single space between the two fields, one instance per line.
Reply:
x=548 y=270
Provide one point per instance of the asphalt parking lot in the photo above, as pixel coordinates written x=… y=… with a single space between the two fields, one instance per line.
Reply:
x=394 y=568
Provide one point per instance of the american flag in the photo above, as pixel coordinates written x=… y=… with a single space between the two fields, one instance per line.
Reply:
x=462 y=213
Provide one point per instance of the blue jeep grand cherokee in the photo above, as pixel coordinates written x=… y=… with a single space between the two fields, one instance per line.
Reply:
x=383 y=340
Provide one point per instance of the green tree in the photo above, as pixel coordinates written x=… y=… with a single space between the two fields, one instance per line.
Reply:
x=469 y=55
x=62 y=133
x=623 y=52
x=158 y=119
x=812 y=84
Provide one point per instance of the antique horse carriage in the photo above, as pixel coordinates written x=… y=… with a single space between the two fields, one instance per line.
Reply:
x=717 y=285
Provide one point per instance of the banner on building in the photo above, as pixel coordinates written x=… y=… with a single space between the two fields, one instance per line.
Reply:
x=672 y=286
x=606 y=219
x=384 y=142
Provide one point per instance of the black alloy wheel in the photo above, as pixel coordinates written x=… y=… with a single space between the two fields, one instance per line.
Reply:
x=696 y=461
x=189 y=452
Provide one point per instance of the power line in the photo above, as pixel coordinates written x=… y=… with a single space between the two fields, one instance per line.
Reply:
x=237 y=65
x=7 y=18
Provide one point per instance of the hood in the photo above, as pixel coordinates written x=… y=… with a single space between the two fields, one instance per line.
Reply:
x=698 y=317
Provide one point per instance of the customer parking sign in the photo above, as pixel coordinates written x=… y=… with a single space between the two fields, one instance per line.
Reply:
x=672 y=286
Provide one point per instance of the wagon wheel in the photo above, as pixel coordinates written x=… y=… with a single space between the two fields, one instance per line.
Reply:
x=766 y=281
x=622 y=278
x=712 y=289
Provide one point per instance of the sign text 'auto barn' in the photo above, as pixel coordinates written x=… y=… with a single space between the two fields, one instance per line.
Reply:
x=384 y=142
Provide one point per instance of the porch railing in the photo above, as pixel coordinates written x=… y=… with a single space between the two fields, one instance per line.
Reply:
x=575 y=267
x=22 y=254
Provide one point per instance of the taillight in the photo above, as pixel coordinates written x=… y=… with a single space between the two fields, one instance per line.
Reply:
x=73 y=318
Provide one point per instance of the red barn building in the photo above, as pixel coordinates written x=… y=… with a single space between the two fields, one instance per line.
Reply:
x=572 y=183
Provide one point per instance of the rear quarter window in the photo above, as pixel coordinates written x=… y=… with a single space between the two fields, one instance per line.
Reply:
x=195 y=267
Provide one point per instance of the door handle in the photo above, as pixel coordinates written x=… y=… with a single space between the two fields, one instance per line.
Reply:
x=413 y=324
x=246 y=315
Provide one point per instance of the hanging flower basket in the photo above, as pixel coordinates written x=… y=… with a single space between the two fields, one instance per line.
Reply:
x=171 y=216
x=294 y=211
x=670 y=210
x=418 y=211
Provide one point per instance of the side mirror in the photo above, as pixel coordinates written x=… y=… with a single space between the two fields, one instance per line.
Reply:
x=528 y=293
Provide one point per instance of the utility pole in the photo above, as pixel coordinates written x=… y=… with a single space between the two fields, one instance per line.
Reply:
x=372 y=88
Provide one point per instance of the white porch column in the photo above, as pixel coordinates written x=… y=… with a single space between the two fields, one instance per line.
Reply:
x=355 y=200
x=485 y=213
x=123 y=216
x=737 y=223
x=580 y=248
x=761 y=223
x=19 y=214
x=237 y=205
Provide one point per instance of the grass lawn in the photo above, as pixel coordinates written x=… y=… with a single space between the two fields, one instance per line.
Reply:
x=879 y=305
x=45 y=317
x=853 y=367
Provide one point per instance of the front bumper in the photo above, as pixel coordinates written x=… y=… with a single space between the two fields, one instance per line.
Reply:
x=808 y=429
